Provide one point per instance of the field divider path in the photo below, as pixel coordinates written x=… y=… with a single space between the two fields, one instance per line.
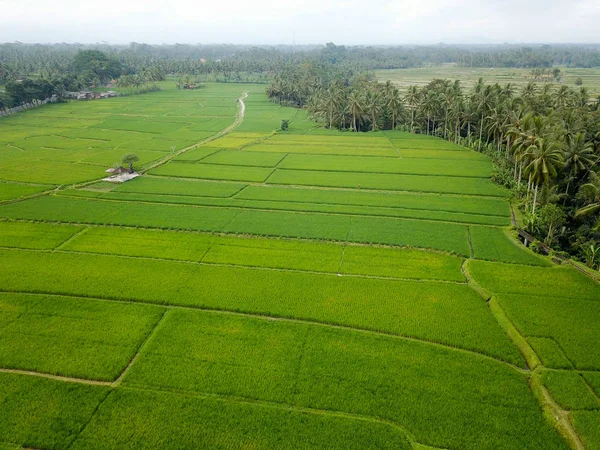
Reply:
x=56 y=377
x=238 y=120
x=268 y=317
x=472 y=254
x=557 y=416
x=71 y=238
x=119 y=379
x=560 y=418
x=86 y=424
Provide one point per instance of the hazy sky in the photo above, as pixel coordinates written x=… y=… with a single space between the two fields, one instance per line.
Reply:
x=313 y=21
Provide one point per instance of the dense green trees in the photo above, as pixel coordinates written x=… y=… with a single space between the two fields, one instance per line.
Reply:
x=95 y=67
x=545 y=141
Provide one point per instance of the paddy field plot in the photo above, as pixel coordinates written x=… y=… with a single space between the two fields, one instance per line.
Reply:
x=264 y=289
x=77 y=141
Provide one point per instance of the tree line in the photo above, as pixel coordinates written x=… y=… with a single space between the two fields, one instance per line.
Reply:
x=543 y=139
x=88 y=69
x=231 y=63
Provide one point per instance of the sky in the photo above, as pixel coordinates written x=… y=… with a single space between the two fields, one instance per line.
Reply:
x=264 y=22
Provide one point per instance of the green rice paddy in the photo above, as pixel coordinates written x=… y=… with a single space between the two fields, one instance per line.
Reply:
x=262 y=289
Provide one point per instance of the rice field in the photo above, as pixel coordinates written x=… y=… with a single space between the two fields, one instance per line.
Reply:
x=263 y=289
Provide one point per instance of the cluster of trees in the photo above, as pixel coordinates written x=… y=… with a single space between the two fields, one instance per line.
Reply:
x=544 y=140
x=87 y=69
x=231 y=63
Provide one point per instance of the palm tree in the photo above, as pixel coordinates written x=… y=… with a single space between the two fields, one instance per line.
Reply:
x=579 y=157
x=590 y=193
x=484 y=103
x=331 y=103
x=429 y=106
x=373 y=107
x=413 y=99
x=355 y=109
x=544 y=158
x=394 y=104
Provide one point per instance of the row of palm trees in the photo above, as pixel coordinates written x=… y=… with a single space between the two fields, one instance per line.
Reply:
x=545 y=140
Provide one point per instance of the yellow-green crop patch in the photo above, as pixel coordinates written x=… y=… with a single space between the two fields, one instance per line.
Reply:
x=224 y=424
x=258 y=288
x=213 y=172
x=35 y=235
x=167 y=186
x=9 y=191
x=570 y=390
x=43 y=413
x=407 y=383
x=494 y=244
x=477 y=169
x=407 y=200
x=447 y=313
x=387 y=181
x=63 y=336
x=241 y=158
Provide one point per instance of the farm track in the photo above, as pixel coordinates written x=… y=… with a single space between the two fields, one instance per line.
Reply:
x=238 y=120
x=559 y=417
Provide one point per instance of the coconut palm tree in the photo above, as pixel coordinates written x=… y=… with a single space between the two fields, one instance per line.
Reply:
x=544 y=158
x=579 y=157
x=413 y=100
x=485 y=102
x=355 y=109
x=590 y=193
x=394 y=104
x=373 y=107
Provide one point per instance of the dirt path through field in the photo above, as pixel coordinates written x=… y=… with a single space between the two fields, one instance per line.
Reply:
x=238 y=120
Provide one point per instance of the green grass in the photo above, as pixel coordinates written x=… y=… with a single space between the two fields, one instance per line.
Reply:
x=448 y=313
x=43 y=413
x=9 y=191
x=394 y=182
x=196 y=154
x=321 y=148
x=565 y=282
x=143 y=243
x=408 y=383
x=223 y=424
x=407 y=200
x=570 y=390
x=586 y=424
x=570 y=322
x=213 y=172
x=147 y=185
x=63 y=336
x=318 y=207
x=549 y=352
x=401 y=263
x=410 y=233
x=238 y=140
x=272 y=253
x=479 y=169
x=494 y=244
x=38 y=236
x=241 y=158
x=76 y=141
